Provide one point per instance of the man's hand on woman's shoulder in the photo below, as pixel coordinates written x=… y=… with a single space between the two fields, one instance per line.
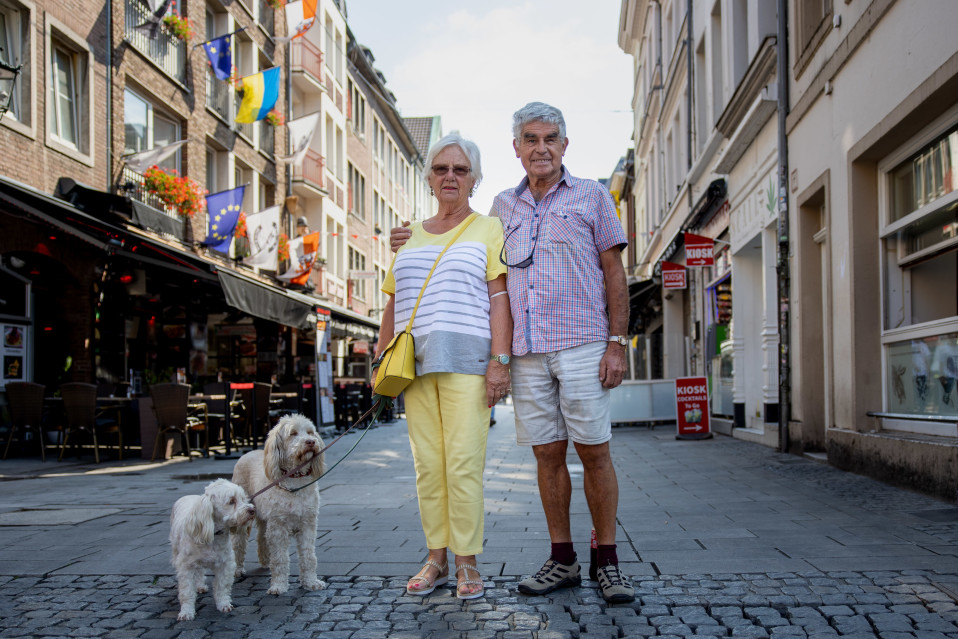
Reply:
x=399 y=235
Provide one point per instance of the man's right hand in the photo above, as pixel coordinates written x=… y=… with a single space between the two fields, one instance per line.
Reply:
x=398 y=236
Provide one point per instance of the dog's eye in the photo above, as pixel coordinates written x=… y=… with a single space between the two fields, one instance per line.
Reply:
x=294 y=433
x=232 y=501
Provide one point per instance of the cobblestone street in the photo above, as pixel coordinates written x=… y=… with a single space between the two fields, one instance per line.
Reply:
x=820 y=553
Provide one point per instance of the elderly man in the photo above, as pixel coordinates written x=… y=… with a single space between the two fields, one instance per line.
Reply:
x=569 y=299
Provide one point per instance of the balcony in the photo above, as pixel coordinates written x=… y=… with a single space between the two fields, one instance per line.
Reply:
x=218 y=95
x=267 y=137
x=165 y=50
x=156 y=216
x=306 y=62
x=311 y=175
x=266 y=17
x=246 y=130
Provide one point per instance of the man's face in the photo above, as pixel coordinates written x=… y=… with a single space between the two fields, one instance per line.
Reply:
x=540 y=149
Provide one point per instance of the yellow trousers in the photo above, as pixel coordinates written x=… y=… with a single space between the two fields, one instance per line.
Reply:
x=448 y=421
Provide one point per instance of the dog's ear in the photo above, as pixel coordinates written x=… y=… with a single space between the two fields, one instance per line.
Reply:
x=318 y=465
x=199 y=520
x=272 y=452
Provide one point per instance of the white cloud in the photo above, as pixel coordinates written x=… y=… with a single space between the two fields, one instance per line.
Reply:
x=475 y=66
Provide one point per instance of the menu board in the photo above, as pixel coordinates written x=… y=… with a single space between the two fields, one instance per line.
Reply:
x=13 y=353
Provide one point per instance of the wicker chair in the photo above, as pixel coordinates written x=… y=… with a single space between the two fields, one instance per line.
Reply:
x=26 y=412
x=171 y=407
x=81 y=414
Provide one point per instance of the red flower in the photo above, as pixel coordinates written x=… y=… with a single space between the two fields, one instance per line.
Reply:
x=282 y=251
x=182 y=193
x=240 y=230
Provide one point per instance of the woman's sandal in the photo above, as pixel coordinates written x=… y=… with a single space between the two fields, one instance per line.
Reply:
x=423 y=579
x=466 y=581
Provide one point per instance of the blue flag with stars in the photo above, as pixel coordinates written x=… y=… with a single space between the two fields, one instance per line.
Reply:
x=221 y=58
x=223 y=210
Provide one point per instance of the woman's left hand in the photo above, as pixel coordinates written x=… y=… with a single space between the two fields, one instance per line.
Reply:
x=497 y=382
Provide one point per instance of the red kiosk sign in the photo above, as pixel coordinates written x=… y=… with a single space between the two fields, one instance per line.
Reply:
x=699 y=250
x=673 y=275
x=692 y=408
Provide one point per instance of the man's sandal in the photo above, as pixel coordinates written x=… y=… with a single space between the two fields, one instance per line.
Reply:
x=428 y=585
x=466 y=581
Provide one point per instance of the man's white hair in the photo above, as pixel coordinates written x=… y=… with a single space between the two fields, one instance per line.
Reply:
x=537 y=112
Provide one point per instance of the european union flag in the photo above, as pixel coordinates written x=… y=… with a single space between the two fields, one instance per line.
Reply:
x=223 y=210
x=220 y=55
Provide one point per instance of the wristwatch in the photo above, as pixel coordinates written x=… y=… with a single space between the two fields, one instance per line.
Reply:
x=618 y=339
x=502 y=359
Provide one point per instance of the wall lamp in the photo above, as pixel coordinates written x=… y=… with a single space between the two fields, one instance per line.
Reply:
x=8 y=81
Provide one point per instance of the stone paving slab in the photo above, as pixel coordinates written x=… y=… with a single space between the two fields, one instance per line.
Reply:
x=721 y=538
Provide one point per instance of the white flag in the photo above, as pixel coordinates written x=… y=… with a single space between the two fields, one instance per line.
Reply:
x=300 y=137
x=143 y=160
x=302 y=253
x=262 y=231
x=300 y=16
x=158 y=10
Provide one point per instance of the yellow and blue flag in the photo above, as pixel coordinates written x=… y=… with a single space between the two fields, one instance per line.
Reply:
x=223 y=210
x=220 y=55
x=260 y=92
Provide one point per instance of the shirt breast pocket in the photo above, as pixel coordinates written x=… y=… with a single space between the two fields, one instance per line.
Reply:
x=565 y=228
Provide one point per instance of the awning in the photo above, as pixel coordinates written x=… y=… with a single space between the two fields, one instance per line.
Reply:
x=266 y=302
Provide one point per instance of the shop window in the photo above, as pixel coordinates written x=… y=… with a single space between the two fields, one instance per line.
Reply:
x=919 y=238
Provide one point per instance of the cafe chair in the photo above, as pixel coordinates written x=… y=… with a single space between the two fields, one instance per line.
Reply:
x=171 y=406
x=25 y=401
x=256 y=425
x=81 y=415
x=216 y=396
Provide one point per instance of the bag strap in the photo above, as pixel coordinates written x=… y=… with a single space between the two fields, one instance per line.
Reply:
x=462 y=227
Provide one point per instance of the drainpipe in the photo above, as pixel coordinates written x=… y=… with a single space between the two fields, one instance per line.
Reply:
x=690 y=86
x=782 y=269
x=109 y=97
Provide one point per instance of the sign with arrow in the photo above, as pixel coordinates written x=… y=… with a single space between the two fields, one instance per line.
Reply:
x=692 y=408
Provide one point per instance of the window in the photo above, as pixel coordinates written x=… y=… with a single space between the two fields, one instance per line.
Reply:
x=69 y=92
x=165 y=50
x=919 y=236
x=217 y=91
x=357 y=192
x=357 y=262
x=144 y=129
x=14 y=51
x=813 y=21
x=358 y=111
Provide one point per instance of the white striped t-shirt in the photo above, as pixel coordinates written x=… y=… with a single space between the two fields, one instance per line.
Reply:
x=452 y=324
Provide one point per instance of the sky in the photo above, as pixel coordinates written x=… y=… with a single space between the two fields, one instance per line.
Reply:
x=476 y=65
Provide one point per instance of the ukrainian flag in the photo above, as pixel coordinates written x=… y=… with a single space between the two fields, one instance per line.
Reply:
x=260 y=92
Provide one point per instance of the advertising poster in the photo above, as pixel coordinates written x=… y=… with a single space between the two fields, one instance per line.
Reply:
x=13 y=353
x=692 y=408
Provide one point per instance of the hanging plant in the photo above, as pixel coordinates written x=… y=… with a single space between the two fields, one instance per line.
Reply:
x=180 y=26
x=180 y=192
x=282 y=250
x=236 y=80
x=275 y=118
x=240 y=230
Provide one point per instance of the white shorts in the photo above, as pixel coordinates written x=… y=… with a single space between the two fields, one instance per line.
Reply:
x=558 y=396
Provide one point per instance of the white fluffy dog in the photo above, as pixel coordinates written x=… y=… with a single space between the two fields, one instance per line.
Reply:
x=283 y=511
x=200 y=536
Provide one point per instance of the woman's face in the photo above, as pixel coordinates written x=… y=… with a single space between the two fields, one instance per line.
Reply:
x=450 y=176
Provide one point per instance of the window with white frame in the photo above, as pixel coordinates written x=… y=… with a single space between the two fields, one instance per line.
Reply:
x=358 y=111
x=146 y=128
x=919 y=235
x=69 y=102
x=357 y=262
x=15 y=51
x=357 y=192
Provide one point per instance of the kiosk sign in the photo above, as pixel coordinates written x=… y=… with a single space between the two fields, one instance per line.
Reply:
x=692 y=408
x=698 y=250
x=673 y=275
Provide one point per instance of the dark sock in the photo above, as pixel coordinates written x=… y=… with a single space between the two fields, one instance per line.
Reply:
x=563 y=553
x=606 y=556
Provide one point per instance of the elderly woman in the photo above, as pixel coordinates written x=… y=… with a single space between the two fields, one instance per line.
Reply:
x=463 y=335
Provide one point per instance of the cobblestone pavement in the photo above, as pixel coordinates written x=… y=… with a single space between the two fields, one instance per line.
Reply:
x=721 y=537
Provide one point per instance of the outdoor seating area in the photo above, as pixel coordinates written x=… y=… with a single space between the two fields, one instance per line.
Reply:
x=107 y=421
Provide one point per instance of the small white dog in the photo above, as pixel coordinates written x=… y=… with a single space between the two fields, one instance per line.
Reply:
x=283 y=511
x=200 y=536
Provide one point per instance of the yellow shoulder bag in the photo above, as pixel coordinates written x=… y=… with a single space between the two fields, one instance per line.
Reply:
x=397 y=366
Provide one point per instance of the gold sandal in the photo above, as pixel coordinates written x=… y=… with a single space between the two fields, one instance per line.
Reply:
x=429 y=585
x=466 y=581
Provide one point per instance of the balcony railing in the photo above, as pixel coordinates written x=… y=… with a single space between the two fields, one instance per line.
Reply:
x=132 y=183
x=313 y=170
x=266 y=16
x=218 y=95
x=267 y=137
x=166 y=50
x=307 y=57
x=246 y=129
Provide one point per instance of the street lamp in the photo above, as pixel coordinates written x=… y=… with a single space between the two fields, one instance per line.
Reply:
x=8 y=80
